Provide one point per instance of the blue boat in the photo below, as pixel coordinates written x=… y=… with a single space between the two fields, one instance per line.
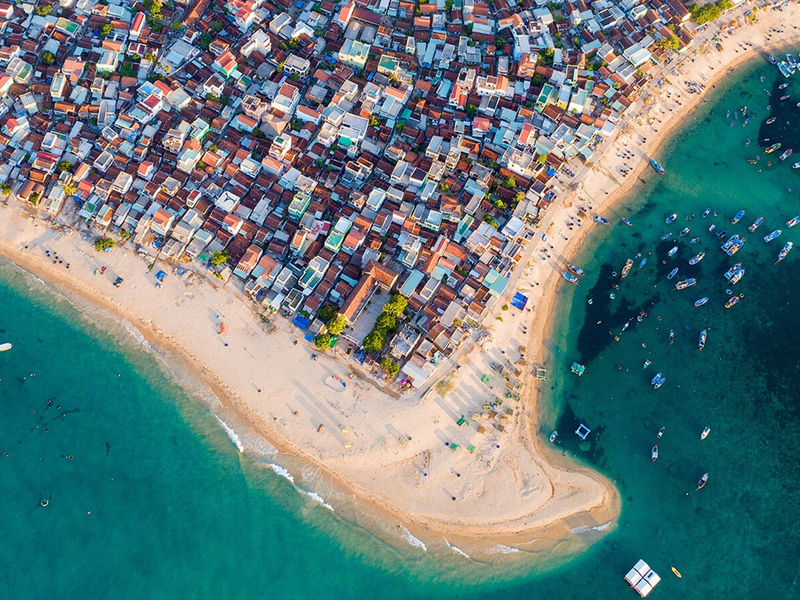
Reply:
x=628 y=223
x=737 y=218
x=570 y=277
x=772 y=236
x=672 y=273
x=684 y=231
x=658 y=168
x=682 y=285
x=671 y=218
x=706 y=212
x=701 y=343
x=672 y=251
x=701 y=301
x=641 y=264
x=756 y=224
x=601 y=220
x=696 y=259
x=793 y=221
x=786 y=249
x=576 y=270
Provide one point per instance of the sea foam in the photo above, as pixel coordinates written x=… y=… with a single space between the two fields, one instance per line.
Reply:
x=457 y=550
x=317 y=498
x=231 y=434
x=503 y=549
x=279 y=470
x=416 y=542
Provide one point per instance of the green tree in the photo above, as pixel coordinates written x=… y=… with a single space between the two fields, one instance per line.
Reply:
x=396 y=305
x=43 y=10
x=64 y=166
x=220 y=257
x=390 y=367
x=327 y=313
x=176 y=26
x=69 y=188
x=103 y=243
x=386 y=322
x=216 y=26
x=5 y=189
x=323 y=340
x=509 y=183
x=48 y=57
x=374 y=341
x=205 y=41
x=471 y=110
x=106 y=30
x=336 y=325
x=669 y=43
x=399 y=126
x=375 y=121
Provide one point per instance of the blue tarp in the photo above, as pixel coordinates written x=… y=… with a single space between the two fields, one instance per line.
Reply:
x=161 y=275
x=301 y=322
x=519 y=301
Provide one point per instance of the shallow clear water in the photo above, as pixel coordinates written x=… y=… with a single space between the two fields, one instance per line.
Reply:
x=178 y=512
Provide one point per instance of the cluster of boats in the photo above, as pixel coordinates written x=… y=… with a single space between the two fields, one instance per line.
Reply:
x=787 y=67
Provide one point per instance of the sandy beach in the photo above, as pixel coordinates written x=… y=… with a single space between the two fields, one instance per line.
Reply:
x=506 y=485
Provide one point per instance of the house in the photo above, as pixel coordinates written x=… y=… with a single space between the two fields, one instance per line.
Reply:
x=162 y=221
x=248 y=262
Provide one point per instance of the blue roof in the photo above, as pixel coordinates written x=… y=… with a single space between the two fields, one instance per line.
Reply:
x=519 y=301
x=301 y=322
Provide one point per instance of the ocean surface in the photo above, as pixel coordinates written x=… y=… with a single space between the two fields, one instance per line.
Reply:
x=149 y=496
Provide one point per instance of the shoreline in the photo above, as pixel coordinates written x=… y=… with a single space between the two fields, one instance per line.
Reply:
x=526 y=463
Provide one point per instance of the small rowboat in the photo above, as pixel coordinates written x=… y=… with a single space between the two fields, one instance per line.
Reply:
x=676 y=572
x=6 y=346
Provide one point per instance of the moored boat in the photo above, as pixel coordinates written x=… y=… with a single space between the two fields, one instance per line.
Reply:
x=660 y=433
x=756 y=224
x=576 y=270
x=783 y=86
x=793 y=221
x=796 y=165
x=702 y=483
x=701 y=301
x=771 y=120
x=646 y=364
x=697 y=258
x=732 y=301
x=627 y=268
x=654 y=453
x=642 y=262
x=658 y=168
x=730 y=242
x=705 y=433
x=701 y=343
x=786 y=249
x=686 y=283
x=772 y=236
x=684 y=231
x=706 y=212
x=672 y=273
x=570 y=277
x=4 y=347
x=671 y=218
x=694 y=241
x=671 y=336
x=659 y=382
x=786 y=154
x=772 y=148
x=628 y=223
x=672 y=251
x=735 y=273
x=676 y=572
x=737 y=217
x=602 y=220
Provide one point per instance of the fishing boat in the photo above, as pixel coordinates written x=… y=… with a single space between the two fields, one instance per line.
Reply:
x=684 y=231
x=712 y=227
x=628 y=223
x=646 y=364
x=5 y=347
x=705 y=433
x=659 y=382
x=706 y=212
x=772 y=236
x=771 y=120
x=666 y=236
x=696 y=259
x=655 y=378
x=694 y=241
x=672 y=251
x=686 y=283
x=731 y=241
x=672 y=273
x=793 y=221
x=701 y=343
x=786 y=249
x=786 y=97
x=735 y=247
x=627 y=268
x=625 y=327
x=771 y=59
x=578 y=369
x=796 y=165
x=734 y=274
x=658 y=168
x=786 y=154
x=721 y=234
x=660 y=433
x=602 y=220
x=783 y=86
x=654 y=453
x=701 y=301
x=772 y=148
x=732 y=302
x=570 y=277
x=576 y=270
x=737 y=217
x=671 y=336
x=642 y=263
x=553 y=436
x=702 y=483
x=676 y=572
x=784 y=69
x=671 y=218
x=756 y=224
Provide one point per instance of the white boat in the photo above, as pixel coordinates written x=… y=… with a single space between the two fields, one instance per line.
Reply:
x=793 y=221
x=772 y=236
x=654 y=453
x=553 y=436
x=5 y=346
x=705 y=433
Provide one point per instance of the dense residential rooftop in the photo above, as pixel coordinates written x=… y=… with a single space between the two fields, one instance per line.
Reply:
x=329 y=150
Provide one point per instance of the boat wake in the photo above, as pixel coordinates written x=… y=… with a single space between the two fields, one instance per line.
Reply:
x=457 y=550
x=416 y=542
x=317 y=498
x=231 y=434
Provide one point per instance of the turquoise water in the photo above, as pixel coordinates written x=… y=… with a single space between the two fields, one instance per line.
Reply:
x=177 y=512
